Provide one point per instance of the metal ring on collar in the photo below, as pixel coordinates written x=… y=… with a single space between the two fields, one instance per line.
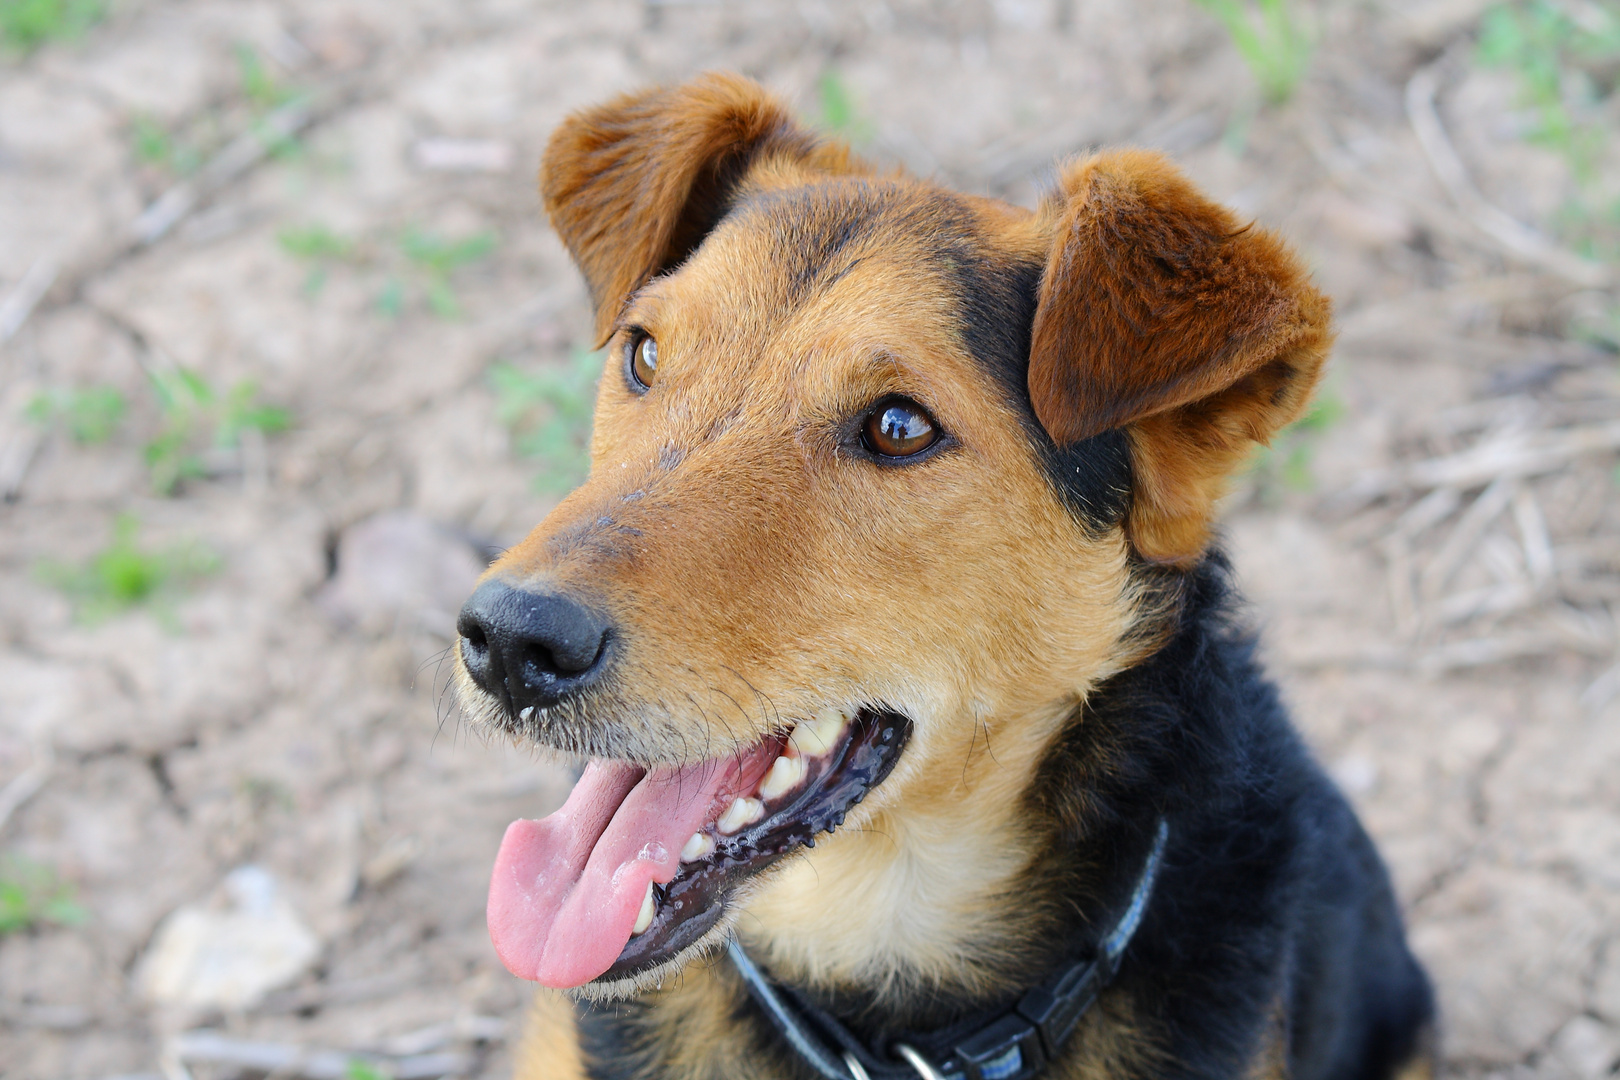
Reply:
x=857 y=1071
x=924 y=1067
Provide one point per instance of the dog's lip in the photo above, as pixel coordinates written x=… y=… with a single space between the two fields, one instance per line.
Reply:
x=695 y=900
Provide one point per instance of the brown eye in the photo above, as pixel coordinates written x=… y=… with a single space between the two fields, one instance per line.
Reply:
x=899 y=428
x=643 y=360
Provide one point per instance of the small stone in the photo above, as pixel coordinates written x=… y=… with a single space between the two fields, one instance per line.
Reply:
x=228 y=955
x=1588 y=1047
x=399 y=571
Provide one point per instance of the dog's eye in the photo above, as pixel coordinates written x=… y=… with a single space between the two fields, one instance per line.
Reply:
x=642 y=357
x=899 y=428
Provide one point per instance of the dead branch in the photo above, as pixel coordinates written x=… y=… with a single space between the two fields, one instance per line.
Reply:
x=1465 y=537
x=240 y=155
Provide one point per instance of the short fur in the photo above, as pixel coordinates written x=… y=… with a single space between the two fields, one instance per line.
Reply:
x=1037 y=593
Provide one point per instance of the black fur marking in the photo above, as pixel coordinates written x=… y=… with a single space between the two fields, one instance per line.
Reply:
x=1270 y=892
x=1093 y=476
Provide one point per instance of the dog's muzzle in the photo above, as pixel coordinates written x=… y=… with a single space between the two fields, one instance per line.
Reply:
x=531 y=650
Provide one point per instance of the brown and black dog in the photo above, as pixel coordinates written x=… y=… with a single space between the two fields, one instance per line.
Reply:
x=897 y=545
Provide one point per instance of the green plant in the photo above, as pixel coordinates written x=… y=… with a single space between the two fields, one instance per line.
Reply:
x=318 y=246
x=361 y=1069
x=32 y=894
x=195 y=418
x=1269 y=37
x=25 y=25
x=435 y=259
x=548 y=413
x=91 y=414
x=1566 y=59
x=124 y=574
x=1286 y=463
x=257 y=84
x=156 y=146
x=836 y=109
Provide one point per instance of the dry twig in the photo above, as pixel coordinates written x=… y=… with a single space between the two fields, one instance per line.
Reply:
x=21 y=301
x=213 y=1048
x=1513 y=235
x=1514 y=455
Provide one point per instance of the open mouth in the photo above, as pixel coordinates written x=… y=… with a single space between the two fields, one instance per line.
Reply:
x=638 y=865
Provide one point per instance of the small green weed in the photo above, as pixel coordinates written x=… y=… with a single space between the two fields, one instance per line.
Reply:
x=548 y=413
x=1285 y=465
x=124 y=574
x=31 y=894
x=1269 y=37
x=264 y=95
x=196 y=418
x=90 y=414
x=1566 y=59
x=256 y=83
x=836 y=111
x=361 y=1069
x=391 y=298
x=435 y=259
x=158 y=147
x=25 y=25
x=318 y=246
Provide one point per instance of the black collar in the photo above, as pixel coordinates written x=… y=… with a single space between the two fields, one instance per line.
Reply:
x=1010 y=1044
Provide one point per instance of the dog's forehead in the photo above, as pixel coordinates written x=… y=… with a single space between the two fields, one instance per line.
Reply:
x=858 y=256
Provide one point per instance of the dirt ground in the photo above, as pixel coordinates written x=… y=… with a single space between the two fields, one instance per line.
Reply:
x=1432 y=561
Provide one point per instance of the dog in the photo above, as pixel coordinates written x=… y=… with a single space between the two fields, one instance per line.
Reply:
x=921 y=734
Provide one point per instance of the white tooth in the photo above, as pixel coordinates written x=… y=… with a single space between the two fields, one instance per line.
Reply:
x=739 y=815
x=697 y=848
x=648 y=909
x=785 y=775
x=526 y=714
x=816 y=737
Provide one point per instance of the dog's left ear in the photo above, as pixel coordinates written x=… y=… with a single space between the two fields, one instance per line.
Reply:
x=1161 y=314
x=633 y=186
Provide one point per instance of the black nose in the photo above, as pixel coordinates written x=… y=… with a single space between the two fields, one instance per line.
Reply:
x=530 y=649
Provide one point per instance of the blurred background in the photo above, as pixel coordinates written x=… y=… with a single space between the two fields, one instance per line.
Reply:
x=287 y=351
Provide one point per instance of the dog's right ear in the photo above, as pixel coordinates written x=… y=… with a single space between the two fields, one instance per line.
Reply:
x=633 y=186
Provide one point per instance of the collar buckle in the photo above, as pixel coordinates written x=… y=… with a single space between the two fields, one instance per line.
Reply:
x=1056 y=1006
x=1009 y=1049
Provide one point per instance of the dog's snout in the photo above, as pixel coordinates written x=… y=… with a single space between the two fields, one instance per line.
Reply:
x=531 y=649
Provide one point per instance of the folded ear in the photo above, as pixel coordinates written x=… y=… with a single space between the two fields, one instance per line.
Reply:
x=1159 y=313
x=634 y=185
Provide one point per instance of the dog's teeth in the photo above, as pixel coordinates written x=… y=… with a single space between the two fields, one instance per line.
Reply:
x=527 y=714
x=739 y=815
x=649 y=908
x=785 y=775
x=697 y=848
x=818 y=736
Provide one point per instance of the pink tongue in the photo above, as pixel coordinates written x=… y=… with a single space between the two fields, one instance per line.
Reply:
x=567 y=889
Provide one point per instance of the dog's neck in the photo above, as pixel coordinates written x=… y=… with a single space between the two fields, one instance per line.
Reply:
x=1010 y=1042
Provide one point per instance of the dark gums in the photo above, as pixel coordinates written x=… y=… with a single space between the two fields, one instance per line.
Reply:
x=695 y=900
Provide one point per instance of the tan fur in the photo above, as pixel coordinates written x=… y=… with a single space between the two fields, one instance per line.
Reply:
x=548 y=1048
x=762 y=572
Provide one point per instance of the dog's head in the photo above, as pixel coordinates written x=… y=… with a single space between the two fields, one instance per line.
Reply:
x=875 y=473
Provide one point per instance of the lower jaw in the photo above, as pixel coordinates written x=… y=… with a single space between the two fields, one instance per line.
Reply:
x=696 y=906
